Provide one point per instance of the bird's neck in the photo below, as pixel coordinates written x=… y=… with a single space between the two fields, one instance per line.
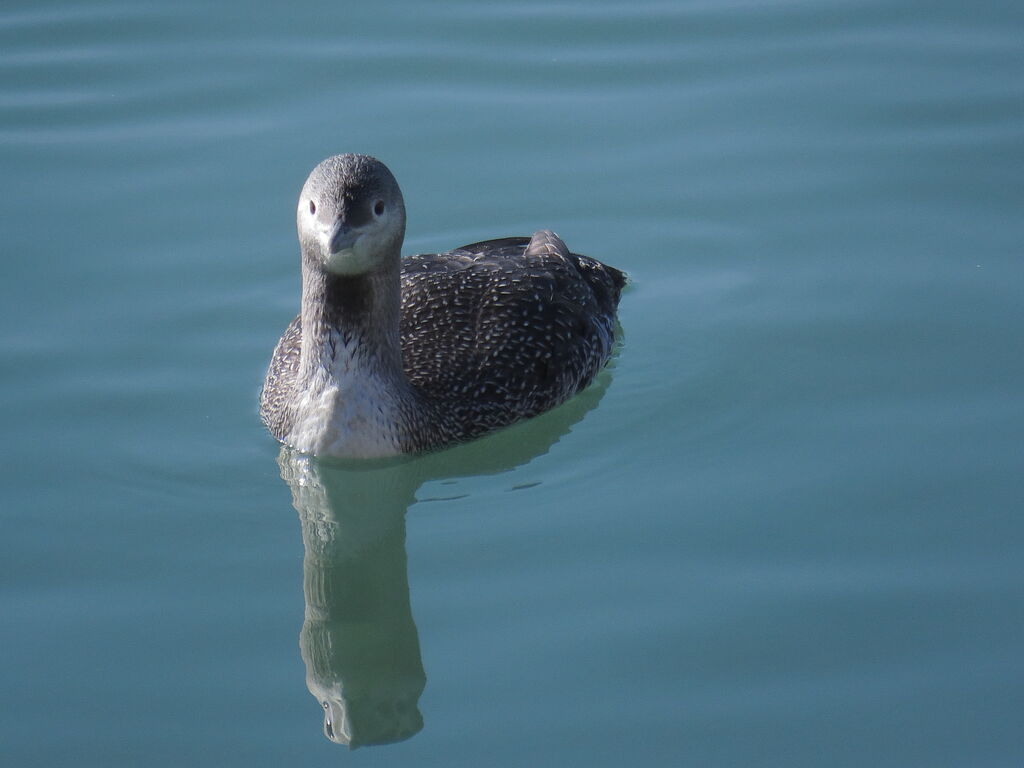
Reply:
x=350 y=325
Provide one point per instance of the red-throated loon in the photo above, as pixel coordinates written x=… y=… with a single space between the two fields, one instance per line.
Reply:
x=390 y=355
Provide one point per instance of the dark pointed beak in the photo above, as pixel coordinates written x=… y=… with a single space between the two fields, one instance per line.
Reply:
x=341 y=238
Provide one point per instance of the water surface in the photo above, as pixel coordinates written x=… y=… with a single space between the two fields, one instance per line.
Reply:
x=785 y=529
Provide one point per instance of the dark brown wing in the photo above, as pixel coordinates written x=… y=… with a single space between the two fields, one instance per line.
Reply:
x=504 y=329
x=281 y=377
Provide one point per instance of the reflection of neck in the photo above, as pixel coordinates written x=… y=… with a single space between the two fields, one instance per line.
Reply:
x=358 y=640
x=360 y=644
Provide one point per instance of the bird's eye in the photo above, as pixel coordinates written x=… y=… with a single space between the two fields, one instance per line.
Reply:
x=312 y=207
x=378 y=208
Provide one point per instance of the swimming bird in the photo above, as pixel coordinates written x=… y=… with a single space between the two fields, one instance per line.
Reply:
x=392 y=355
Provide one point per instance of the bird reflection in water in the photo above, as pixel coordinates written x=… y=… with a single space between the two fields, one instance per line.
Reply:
x=359 y=641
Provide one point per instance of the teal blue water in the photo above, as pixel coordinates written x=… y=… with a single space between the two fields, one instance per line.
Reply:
x=785 y=529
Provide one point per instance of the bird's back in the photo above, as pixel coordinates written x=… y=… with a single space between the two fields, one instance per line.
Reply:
x=502 y=330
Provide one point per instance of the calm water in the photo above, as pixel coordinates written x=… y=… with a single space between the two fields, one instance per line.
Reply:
x=785 y=529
